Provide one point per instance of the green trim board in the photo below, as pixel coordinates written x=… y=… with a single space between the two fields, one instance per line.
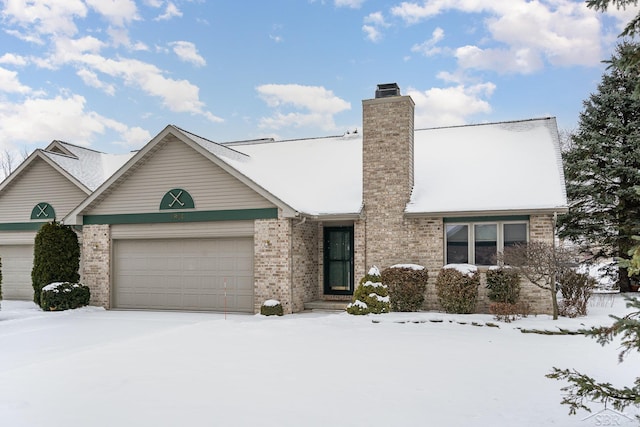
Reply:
x=487 y=218
x=169 y=217
x=22 y=226
x=177 y=199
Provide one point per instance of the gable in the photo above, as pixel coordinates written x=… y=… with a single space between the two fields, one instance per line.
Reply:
x=174 y=165
x=38 y=183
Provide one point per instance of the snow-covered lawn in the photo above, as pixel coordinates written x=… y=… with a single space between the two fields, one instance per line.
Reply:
x=91 y=367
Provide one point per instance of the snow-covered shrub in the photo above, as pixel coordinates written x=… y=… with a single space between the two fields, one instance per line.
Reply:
x=61 y=296
x=56 y=257
x=371 y=296
x=271 y=307
x=457 y=288
x=406 y=284
x=576 y=290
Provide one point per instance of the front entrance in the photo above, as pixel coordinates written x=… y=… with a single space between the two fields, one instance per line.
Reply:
x=338 y=260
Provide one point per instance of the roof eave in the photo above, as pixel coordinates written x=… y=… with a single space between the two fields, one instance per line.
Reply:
x=497 y=212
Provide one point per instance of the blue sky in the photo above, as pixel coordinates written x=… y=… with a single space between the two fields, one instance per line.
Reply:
x=111 y=74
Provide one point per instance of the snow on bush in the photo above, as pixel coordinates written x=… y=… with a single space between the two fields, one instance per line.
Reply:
x=271 y=307
x=371 y=296
x=457 y=288
x=59 y=296
x=407 y=285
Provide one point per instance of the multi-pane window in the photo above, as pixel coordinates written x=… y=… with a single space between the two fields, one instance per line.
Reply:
x=479 y=243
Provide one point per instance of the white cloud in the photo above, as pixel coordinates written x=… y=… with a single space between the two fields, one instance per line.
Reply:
x=353 y=4
x=524 y=60
x=429 y=48
x=120 y=37
x=9 y=82
x=91 y=79
x=45 y=16
x=117 y=12
x=12 y=59
x=373 y=25
x=171 y=11
x=450 y=105
x=38 y=120
x=318 y=103
x=153 y=3
x=187 y=52
x=134 y=137
x=524 y=33
x=177 y=95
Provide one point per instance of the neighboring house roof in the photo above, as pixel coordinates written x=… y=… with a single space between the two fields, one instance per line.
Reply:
x=86 y=168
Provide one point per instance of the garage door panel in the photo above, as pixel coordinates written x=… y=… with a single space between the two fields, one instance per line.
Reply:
x=191 y=274
x=17 y=263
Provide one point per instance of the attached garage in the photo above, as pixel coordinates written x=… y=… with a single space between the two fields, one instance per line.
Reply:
x=184 y=274
x=17 y=262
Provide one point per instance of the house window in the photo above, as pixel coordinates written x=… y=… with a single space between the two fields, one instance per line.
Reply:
x=479 y=243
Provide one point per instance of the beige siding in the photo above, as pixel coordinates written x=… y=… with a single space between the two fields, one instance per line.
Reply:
x=176 y=165
x=182 y=230
x=38 y=183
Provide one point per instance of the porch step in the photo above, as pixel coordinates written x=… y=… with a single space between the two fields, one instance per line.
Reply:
x=326 y=305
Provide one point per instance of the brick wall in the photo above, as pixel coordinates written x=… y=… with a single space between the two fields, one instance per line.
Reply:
x=304 y=284
x=96 y=263
x=272 y=262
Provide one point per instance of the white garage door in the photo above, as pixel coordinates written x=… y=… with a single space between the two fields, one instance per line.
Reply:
x=17 y=262
x=184 y=274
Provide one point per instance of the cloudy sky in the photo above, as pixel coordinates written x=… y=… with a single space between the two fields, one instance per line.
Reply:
x=111 y=74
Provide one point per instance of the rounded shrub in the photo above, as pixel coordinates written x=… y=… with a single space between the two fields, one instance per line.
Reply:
x=406 y=284
x=457 y=288
x=371 y=296
x=64 y=296
x=56 y=257
x=503 y=285
x=271 y=307
x=576 y=290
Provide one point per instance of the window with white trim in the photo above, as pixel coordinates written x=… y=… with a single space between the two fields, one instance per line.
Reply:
x=480 y=242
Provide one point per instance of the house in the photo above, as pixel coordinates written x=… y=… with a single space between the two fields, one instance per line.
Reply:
x=191 y=224
x=46 y=186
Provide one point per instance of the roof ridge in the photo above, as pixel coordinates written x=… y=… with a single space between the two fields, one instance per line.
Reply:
x=210 y=141
x=488 y=123
x=78 y=146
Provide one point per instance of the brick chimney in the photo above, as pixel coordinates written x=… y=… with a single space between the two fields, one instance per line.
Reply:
x=387 y=163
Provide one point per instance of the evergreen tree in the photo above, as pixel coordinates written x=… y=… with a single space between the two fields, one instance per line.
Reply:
x=56 y=257
x=583 y=388
x=602 y=168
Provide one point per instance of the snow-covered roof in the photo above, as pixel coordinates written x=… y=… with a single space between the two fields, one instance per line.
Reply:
x=89 y=167
x=494 y=167
x=320 y=176
x=488 y=167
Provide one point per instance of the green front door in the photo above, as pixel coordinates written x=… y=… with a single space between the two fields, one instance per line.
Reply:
x=338 y=260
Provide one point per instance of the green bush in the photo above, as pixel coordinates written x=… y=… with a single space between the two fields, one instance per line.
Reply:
x=271 y=307
x=371 y=296
x=503 y=285
x=406 y=286
x=458 y=292
x=56 y=257
x=64 y=296
x=576 y=290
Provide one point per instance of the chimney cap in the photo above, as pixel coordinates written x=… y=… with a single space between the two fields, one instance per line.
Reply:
x=387 y=89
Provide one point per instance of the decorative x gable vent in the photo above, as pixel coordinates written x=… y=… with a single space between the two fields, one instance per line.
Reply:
x=43 y=211
x=177 y=199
